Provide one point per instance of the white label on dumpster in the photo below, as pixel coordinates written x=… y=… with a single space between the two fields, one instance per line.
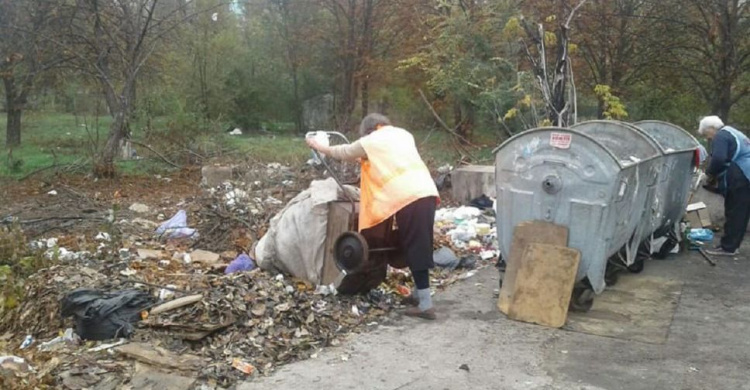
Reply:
x=560 y=140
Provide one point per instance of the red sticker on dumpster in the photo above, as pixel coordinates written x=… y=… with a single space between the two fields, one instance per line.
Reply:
x=560 y=140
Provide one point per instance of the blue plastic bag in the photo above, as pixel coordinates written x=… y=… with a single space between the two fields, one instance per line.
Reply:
x=703 y=235
x=243 y=262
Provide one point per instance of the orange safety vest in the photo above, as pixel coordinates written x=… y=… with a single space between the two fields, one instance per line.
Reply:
x=393 y=175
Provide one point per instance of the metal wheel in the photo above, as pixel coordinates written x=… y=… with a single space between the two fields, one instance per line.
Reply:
x=351 y=252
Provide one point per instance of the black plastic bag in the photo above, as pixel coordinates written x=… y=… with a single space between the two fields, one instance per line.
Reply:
x=483 y=202
x=101 y=315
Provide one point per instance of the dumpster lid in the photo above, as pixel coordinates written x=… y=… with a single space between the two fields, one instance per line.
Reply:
x=558 y=130
x=629 y=144
x=671 y=138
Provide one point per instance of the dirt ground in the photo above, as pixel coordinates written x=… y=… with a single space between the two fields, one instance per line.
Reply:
x=472 y=345
x=706 y=348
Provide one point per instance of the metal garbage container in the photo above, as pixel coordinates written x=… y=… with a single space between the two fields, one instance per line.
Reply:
x=631 y=143
x=595 y=179
x=680 y=159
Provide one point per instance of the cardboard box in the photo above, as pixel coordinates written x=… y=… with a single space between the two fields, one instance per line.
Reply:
x=697 y=216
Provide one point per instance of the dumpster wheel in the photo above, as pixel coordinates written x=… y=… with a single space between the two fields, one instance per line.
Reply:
x=582 y=299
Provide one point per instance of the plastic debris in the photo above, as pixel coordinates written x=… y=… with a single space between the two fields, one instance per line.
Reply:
x=124 y=254
x=128 y=272
x=103 y=315
x=15 y=364
x=167 y=293
x=242 y=263
x=52 y=193
x=325 y=290
x=445 y=258
x=103 y=236
x=176 y=227
x=468 y=262
x=447 y=168
x=69 y=337
x=27 y=342
x=703 y=235
x=322 y=138
x=403 y=291
x=243 y=366
x=483 y=202
x=488 y=254
x=105 y=347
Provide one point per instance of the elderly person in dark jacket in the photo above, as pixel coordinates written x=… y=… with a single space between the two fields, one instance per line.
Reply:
x=730 y=165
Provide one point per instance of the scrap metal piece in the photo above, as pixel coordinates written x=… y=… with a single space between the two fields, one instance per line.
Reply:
x=707 y=257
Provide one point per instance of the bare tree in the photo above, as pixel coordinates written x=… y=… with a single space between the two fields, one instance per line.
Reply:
x=616 y=41
x=553 y=78
x=712 y=48
x=292 y=24
x=26 y=54
x=113 y=41
x=359 y=27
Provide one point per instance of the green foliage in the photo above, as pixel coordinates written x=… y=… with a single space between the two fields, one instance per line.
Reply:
x=612 y=107
x=17 y=262
x=465 y=62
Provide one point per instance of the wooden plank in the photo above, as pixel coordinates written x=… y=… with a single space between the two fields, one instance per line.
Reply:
x=544 y=285
x=161 y=357
x=524 y=234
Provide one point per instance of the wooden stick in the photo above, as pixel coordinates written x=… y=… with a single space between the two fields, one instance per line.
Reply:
x=177 y=303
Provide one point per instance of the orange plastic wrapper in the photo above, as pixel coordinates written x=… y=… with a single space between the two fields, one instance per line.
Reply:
x=243 y=366
x=403 y=291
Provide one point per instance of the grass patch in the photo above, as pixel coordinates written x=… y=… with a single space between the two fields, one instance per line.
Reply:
x=282 y=149
x=52 y=138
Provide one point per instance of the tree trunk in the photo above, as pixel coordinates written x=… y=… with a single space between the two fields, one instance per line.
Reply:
x=105 y=167
x=365 y=97
x=297 y=101
x=722 y=104
x=13 y=131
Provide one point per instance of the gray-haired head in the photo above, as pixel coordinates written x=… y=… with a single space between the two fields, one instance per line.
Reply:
x=372 y=122
x=709 y=126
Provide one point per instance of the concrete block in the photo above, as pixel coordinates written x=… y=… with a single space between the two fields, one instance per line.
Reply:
x=473 y=181
x=215 y=175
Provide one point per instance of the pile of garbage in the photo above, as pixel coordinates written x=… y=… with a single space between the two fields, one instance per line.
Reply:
x=229 y=326
x=235 y=214
x=182 y=299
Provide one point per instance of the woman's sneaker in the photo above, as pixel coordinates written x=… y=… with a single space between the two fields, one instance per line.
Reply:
x=719 y=251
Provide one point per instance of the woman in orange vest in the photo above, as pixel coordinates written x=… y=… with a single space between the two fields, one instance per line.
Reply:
x=395 y=181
